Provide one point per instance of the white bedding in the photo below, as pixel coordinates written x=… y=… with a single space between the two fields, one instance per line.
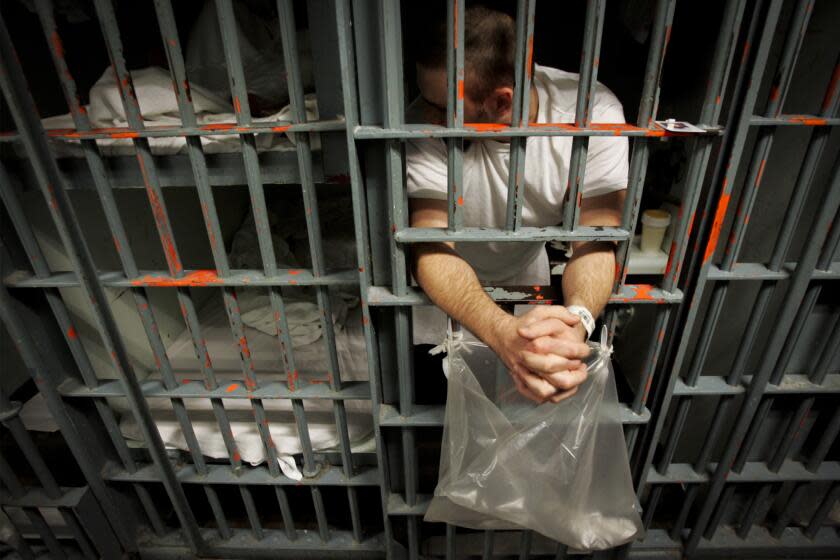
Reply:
x=159 y=107
x=311 y=362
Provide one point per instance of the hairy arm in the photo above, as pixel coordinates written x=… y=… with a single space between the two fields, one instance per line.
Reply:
x=451 y=283
x=449 y=280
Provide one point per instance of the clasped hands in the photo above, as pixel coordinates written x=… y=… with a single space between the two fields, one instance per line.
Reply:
x=544 y=352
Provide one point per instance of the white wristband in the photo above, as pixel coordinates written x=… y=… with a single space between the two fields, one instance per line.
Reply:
x=585 y=318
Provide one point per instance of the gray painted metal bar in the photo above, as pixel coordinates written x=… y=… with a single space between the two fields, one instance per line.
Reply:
x=51 y=184
x=823 y=510
x=497 y=130
x=793 y=298
x=660 y=34
x=523 y=58
x=455 y=89
x=38 y=262
x=118 y=233
x=190 y=279
x=728 y=36
x=285 y=10
x=526 y=234
x=593 y=30
x=235 y=71
x=360 y=220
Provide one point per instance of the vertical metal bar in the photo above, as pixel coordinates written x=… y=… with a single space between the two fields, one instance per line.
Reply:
x=391 y=29
x=355 y=519
x=18 y=543
x=150 y=509
x=650 y=506
x=593 y=29
x=524 y=57
x=792 y=432
x=52 y=186
x=455 y=111
x=286 y=513
x=561 y=551
x=802 y=187
x=823 y=510
x=78 y=534
x=38 y=262
x=487 y=553
x=721 y=63
x=451 y=552
x=14 y=424
x=783 y=520
x=115 y=224
x=286 y=14
x=826 y=440
x=253 y=516
x=346 y=56
x=720 y=509
x=525 y=545
x=413 y=537
x=756 y=509
x=43 y=529
x=660 y=35
x=236 y=75
x=685 y=508
x=793 y=298
x=320 y=514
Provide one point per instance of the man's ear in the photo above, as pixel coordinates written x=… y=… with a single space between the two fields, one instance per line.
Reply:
x=501 y=104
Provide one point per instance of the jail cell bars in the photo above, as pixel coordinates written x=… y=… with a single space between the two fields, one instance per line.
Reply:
x=366 y=44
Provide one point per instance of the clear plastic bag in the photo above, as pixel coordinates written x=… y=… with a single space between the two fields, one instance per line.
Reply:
x=508 y=463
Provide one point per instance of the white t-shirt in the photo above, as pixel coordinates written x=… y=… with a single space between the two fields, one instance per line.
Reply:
x=547 y=160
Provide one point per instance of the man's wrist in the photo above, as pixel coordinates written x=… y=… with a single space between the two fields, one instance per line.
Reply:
x=587 y=321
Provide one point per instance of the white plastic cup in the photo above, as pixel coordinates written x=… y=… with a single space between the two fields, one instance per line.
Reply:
x=654 y=224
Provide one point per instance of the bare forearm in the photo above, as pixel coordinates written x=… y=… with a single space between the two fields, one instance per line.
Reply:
x=451 y=283
x=588 y=277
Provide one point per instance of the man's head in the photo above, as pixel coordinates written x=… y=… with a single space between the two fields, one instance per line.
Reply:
x=489 y=47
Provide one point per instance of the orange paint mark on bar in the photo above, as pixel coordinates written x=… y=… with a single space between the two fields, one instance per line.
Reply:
x=460 y=201
x=236 y=457
x=807 y=120
x=461 y=89
x=760 y=172
x=774 y=93
x=72 y=334
x=529 y=62
x=294 y=272
x=196 y=278
x=218 y=126
x=280 y=128
x=832 y=86
x=643 y=292
x=58 y=47
x=232 y=387
x=716 y=225
x=243 y=347
x=236 y=106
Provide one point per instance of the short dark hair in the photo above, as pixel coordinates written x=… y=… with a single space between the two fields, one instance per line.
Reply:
x=489 y=50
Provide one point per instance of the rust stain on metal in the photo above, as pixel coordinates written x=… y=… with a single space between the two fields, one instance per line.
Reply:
x=716 y=226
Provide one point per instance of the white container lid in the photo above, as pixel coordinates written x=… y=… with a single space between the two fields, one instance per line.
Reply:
x=656 y=218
